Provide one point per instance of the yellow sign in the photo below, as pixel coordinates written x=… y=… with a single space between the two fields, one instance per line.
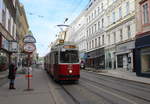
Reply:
x=61 y=41
x=70 y=46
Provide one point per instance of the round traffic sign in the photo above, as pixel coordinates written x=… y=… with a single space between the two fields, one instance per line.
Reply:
x=29 y=39
x=29 y=47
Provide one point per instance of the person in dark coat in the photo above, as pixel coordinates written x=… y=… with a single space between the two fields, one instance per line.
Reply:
x=12 y=75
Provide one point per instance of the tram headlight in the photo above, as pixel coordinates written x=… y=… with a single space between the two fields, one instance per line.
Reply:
x=70 y=71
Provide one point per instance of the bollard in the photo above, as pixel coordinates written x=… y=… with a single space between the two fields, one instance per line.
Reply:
x=29 y=77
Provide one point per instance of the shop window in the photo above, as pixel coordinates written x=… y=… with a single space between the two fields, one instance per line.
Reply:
x=145 y=60
x=120 y=61
x=3 y=61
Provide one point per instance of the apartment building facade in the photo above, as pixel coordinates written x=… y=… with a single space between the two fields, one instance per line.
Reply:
x=110 y=34
x=120 y=34
x=21 y=31
x=95 y=30
x=76 y=33
x=142 y=44
x=7 y=29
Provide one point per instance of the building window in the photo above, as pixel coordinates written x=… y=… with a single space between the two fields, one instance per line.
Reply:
x=89 y=31
x=103 y=39
x=92 y=29
x=145 y=13
x=121 y=36
x=98 y=25
x=92 y=16
x=95 y=27
x=127 y=7
x=3 y=18
x=128 y=31
x=145 y=60
x=3 y=14
x=120 y=12
x=9 y=25
x=102 y=6
x=92 y=43
x=113 y=16
x=108 y=38
x=108 y=19
x=87 y=46
x=95 y=13
x=95 y=42
x=98 y=10
x=99 y=41
x=102 y=22
x=114 y=37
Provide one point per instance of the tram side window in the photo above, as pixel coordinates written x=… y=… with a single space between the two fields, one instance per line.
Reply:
x=56 y=58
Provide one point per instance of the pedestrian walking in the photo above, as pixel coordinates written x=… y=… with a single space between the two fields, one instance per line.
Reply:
x=12 y=75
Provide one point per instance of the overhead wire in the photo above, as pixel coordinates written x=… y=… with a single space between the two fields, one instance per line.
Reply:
x=75 y=8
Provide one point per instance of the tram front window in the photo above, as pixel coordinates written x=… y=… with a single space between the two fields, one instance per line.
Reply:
x=69 y=56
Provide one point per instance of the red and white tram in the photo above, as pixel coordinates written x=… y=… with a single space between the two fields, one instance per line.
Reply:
x=62 y=63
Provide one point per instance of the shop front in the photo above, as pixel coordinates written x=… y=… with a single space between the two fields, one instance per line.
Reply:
x=96 y=59
x=124 y=56
x=7 y=49
x=142 y=56
x=4 y=53
x=110 y=62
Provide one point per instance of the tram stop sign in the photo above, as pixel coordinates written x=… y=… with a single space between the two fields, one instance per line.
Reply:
x=29 y=39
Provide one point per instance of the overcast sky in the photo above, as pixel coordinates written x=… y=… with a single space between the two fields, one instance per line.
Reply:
x=44 y=15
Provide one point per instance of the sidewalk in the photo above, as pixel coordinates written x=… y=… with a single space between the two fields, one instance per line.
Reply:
x=122 y=74
x=40 y=95
x=3 y=74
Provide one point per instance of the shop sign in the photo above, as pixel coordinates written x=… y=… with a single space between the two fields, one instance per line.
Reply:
x=96 y=53
x=5 y=43
x=29 y=39
x=126 y=46
x=13 y=46
x=29 y=47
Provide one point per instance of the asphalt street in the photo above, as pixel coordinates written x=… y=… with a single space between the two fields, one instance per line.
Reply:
x=99 y=89
x=91 y=89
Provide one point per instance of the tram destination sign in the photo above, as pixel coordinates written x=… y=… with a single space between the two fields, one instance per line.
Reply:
x=29 y=47
x=29 y=39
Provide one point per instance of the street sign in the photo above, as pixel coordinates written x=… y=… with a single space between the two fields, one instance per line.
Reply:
x=29 y=47
x=29 y=39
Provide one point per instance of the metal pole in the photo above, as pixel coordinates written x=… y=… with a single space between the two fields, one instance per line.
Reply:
x=28 y=71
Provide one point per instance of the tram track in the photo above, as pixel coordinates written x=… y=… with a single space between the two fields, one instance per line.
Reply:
x=71 y=96
x=101 y=99
x=101 y=85
x=131 y=84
